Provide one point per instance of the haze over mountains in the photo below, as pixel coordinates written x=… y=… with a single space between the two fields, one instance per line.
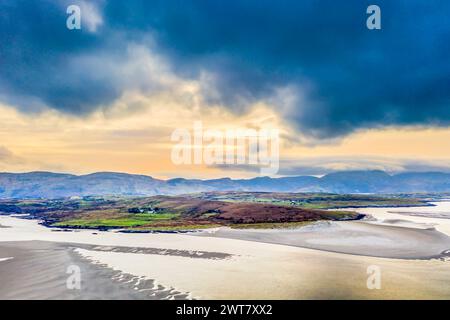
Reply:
x=56 y=185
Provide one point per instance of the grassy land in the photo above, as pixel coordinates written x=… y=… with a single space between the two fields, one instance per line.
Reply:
x=339 y=215
x=313 y=200
x=176 y=227
x=280 y=225
x=120 y=222
x=196 y=211
x=130 y=221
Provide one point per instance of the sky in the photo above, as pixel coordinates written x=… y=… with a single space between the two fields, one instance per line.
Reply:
x=108 y=97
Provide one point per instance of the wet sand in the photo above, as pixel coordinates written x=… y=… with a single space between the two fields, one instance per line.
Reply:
x=268 y=271
x=352 y=237
x=430 y=216
x=38 y=270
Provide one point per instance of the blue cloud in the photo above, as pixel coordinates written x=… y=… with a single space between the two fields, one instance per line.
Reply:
x=355 y=77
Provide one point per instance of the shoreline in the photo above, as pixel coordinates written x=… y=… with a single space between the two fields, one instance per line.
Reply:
x=56 y=223
x=48 y=224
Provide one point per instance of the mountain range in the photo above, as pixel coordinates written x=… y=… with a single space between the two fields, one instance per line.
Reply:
x=56 y=185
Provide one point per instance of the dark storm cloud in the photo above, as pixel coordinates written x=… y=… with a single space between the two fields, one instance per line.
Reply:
x=346 y=76
x=37 y=54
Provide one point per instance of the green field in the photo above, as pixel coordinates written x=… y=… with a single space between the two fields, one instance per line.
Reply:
x=314 y=200
x=130 y=221
x=201 y=210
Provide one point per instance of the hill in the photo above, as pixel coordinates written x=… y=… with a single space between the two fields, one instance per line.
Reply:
x=48 y=185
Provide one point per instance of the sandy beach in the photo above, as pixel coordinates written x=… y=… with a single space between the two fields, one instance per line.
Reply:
x=431 y=216
x=316 y=262
x=38 y=270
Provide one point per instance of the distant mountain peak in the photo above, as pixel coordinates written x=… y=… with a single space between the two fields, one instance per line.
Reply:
x=58 y=185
